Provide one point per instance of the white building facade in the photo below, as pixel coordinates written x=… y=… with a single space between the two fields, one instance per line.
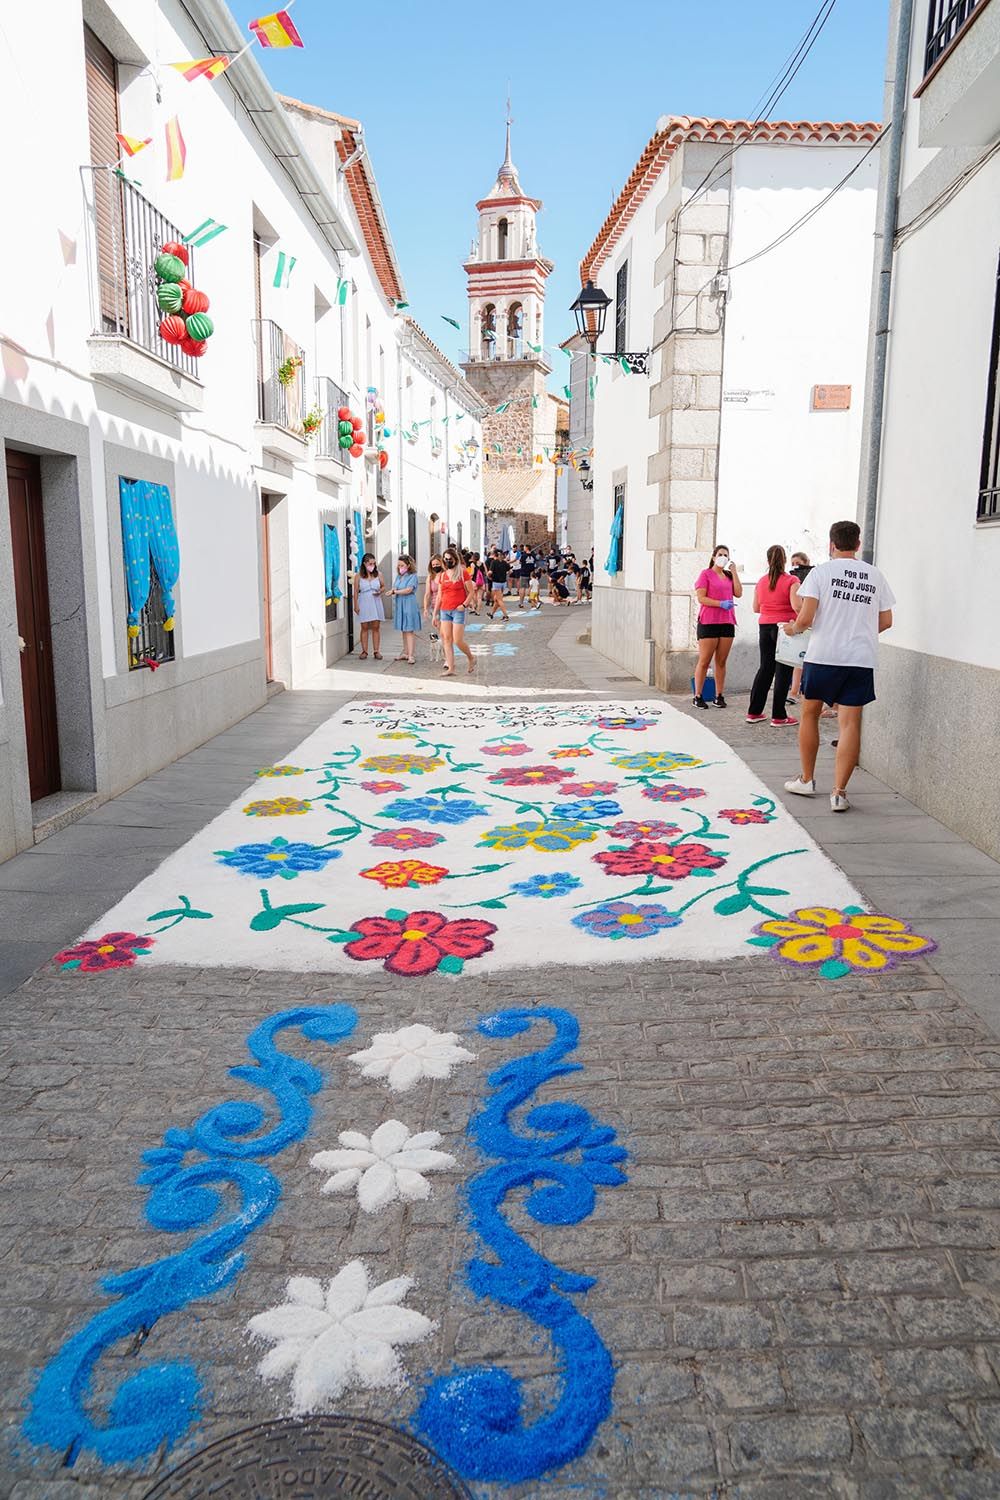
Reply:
x=930 y=491
x=747 y=427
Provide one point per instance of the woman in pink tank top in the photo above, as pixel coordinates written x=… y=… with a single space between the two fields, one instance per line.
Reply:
x=775 y=601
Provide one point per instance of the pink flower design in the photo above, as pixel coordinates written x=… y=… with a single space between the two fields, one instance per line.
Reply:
x=587 y=788
x=518 y=749
x=380 y=788
x=115 y=950
x=669 y=792
x=742 y=815
x=406 y=838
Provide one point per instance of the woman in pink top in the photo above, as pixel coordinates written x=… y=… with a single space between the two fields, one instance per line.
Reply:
x=717 y=588
x=775 y=600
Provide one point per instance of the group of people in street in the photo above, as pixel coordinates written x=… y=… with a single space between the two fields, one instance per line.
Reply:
x=844 y=604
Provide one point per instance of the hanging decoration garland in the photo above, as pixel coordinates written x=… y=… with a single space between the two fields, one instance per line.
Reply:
x=186 y=321
x=350 y=432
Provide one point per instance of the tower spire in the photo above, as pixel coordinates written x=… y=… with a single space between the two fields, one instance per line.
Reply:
x=508 y=168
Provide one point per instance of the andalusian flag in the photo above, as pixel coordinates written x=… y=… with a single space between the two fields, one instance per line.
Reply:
x=206 y=231
x=176 y=150
x=343 y=287
x=203 y=67
x=130 y=145
x=277 y=30
x=453 y=322
x=283 y=269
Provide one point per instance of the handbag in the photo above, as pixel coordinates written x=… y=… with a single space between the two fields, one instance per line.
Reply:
x=791 y=649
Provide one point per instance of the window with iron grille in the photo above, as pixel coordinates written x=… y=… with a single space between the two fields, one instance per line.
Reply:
x=619 y=510
x=945 y=19
x=621 y=309
x=153 y=645
x=989 y=481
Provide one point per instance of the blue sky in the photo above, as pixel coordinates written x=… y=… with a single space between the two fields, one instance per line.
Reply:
x=588 y=82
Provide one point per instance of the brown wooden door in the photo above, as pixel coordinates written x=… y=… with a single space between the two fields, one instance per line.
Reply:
x=265 y=560
x=31 y=593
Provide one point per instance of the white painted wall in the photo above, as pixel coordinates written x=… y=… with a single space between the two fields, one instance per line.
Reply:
x=796 y=318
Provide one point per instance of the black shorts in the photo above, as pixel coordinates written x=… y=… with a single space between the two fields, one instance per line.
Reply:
x=852 y=686
x=716 y=632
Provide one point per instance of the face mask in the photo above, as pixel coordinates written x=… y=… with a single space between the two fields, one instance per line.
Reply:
x=721 y=558
x=401 y=569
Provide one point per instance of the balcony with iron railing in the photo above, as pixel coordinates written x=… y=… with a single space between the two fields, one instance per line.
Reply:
x=945 y=19
x=125 y=234
x=960 y=90
x=330 y=459
x=281 y=391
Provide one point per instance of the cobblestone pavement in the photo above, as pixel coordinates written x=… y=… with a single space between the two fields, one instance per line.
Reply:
x=799 y=1285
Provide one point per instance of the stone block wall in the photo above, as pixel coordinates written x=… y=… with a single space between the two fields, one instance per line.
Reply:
x=521 y=425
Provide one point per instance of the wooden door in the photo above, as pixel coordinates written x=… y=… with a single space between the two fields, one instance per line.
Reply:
x=265 y=538
x=31 y=594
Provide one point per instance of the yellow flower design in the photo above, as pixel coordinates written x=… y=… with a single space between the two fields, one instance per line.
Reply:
x=415 y=765
x=276 y=807
x=839 y=941
x=656 y=760
x=397 y=734
x=555 y=837
x=281 y=771
x=569 y=752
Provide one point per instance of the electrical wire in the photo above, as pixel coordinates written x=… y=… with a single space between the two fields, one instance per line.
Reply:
x=945 y=196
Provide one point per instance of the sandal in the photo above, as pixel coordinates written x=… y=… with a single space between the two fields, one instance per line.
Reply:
x=411 y=661
x=378 y=656
x=448 y=672
x=363 y=656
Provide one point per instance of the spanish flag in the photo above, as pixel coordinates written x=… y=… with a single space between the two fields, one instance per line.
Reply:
x=176 y=150
x=277 y=30
x=202 y=67
x=130 y=145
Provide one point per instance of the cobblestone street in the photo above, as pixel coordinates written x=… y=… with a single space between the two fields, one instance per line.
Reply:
x=798 y=1285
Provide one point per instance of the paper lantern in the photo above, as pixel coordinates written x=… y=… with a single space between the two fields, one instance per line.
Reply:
x=345 y=429
x=356 y=450
x=173 y=329
x=194 y=301
x=169 y=267
x=345 y=442
x=380 y=418
x=175 y=247
x=387 y=432
x=200 y=326
x=169 y=297
x=196 y=347
x=383 y=459
x=184 y=285
x=343 y=414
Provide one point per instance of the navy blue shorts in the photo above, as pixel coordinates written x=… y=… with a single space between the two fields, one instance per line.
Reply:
x=852 y=686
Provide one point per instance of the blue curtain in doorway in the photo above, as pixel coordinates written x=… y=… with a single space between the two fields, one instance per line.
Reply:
x=614 y=562
x=148 y=530
x=358 y=541
x=331 y=562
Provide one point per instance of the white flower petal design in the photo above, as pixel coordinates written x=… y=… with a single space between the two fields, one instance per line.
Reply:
x=346 y=1340
x=404 y=1057
x=390 y=1165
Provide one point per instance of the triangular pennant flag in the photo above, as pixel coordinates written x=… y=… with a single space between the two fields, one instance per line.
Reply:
x=202 y=67
x=206 y=231
x=591 y=385
x=176 y=150
x=502 y=408
x=342 y=287
x=535 y=348
x=534 y=402
x=626 y=367
x=497 y=447
x=567 y=392
x=130 y=145
x=284 y=268
x=454 y=323
x=276 y=30
x=568 y=353
x=399 y=306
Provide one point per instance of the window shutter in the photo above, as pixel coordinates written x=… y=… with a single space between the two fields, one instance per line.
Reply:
x=102 y=109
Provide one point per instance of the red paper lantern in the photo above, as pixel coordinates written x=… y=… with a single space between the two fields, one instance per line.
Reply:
x=196 y=347
x=194 y=301
x=356 y=450
x=184 y=285
x=344 y=415
x=173 y=329
x=383 y=459
x=175 y=247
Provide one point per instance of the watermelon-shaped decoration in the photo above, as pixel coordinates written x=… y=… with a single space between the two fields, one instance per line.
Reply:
x=345 y=442
x=169 y=297
x=344 y=414
x=175 y=247
x=194 y=301
x=192 y=346
x=200 y=327
x=345 y=429
x=169 y=267
x=356 y=450
x=173 y=329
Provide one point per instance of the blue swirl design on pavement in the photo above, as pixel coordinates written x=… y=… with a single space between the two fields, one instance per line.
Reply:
x=160 y=1403
x=473 y=1417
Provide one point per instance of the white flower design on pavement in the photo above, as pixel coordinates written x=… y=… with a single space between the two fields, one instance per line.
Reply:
x=338 y=1339
x=403 y=1057
x=388 y=1166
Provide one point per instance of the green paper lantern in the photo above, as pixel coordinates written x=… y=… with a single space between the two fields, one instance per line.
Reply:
x=169 y=267
x=346 y=428
x=169 y=297
x=199 y=326
x=345 y=442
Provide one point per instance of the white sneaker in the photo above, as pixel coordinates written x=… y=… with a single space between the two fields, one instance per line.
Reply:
x=839 y=802
x=801 y=788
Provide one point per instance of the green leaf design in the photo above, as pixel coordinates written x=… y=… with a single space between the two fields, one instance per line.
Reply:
x=494 y=904
x=273 y=916
x=451 y=965
x=764 y=941
x=395 y=915
x=705 y=874
x=764 y=890
x=834 y=969
x=341 y=937
x=730 y=905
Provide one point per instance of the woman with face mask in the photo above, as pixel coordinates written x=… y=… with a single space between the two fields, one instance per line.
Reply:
x=717 y=588
x=405 y=609
x=368 y=591
x=454 y=594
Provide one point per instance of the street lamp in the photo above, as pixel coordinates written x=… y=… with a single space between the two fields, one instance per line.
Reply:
x=590 y=310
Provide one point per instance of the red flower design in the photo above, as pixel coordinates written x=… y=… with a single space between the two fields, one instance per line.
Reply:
x=406 y=838
x=516 y=749
x=418 y=942
x=530 y=776
x=587 y=788
x=741 y=815
x=668 y=861
x=400 y=872
x=115 y=950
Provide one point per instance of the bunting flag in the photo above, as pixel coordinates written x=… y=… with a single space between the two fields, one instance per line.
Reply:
x=176 y=150
x=591 y=385
x=534 y=403
x=283 y=270
x=568 y=353
x=130 y=145
x=399 y=306
x=501 y=408
x=202 y=67
x=626 y=367
x=276 y=30
x=535 y=348
x=206 y=231
x=567 y=393
x=342 y=289
x=497 y=447
x=454 y=323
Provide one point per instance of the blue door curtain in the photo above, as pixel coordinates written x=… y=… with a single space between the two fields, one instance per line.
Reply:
x=148 y=531
x=614 y=562
x=331 y=562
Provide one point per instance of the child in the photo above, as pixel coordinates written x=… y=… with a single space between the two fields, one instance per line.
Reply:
x=586 y=589
x=535 y=590
x=405 y=610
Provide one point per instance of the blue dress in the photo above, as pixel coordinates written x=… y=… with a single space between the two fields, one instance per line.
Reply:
x=405 y=609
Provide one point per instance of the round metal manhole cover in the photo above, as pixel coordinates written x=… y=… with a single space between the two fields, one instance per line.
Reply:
x=299 y=1459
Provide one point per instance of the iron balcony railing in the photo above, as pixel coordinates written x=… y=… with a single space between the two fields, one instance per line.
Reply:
x=127 y=233
x=281 y=377
x=329 y=400
x=945 y=20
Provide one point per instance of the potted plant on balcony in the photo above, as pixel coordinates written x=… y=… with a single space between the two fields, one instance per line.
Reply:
x=311 y=423
x=288 y=368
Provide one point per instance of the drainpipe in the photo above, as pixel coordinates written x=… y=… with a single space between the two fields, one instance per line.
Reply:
x=882 y=299
x=447 y=469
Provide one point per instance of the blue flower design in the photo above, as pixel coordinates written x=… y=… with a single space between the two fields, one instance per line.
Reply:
x=279 y=857
x=434 y=810
x=589 y=808
x=620 y=919
x=547 y=886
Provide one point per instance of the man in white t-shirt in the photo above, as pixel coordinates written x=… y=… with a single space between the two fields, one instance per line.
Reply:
x=848 y=604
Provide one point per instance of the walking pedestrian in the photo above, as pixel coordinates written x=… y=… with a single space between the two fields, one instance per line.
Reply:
x=405 y=609
x=586 y=582
x=535 y=589
x=775 y=601
x=479 y=580
x=717 y=588
x=453 y=595
x=368 y=591
x=525 y=564
x=847 y=603
x=498 y=570
x=801 y=567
